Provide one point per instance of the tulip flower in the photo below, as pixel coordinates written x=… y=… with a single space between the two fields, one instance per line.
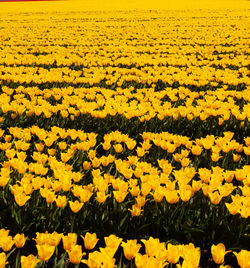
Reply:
x=19 y=240
x=45 y=252
x=90 y=240
x=75 y=206
x=173 y=253
x=218 y=253
x=130 y=248
x=243 y=258
x=75 y=254
x=29 y=261
x=2 y=260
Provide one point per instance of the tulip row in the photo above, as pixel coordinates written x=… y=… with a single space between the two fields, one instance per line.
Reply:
x=156 y=253
x=144 y=104
x=132 y=177
x=176 y=145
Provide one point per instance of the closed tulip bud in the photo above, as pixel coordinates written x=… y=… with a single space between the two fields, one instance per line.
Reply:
x=171 y=196
x=29 y=261
x=19 y=240
x=130 y=248
x=90 y=240
x=218 y=253
x=45 y=252
x=86 y=165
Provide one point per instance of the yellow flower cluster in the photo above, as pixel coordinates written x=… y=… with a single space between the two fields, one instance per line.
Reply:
x=135 y=177
x=156 y=70
x=145 y=103
x=157 y=254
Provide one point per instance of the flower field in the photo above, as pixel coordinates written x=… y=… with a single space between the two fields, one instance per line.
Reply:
x=125 y=138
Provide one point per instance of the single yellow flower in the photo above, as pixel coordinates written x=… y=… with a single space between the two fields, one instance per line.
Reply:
x=45 y=252
x=29 y=261
x=75 y=206
x=2 y=260
x=243 y=258
x=75 y=254
x=90 y=240
x=218 y=253
x=19 y=240
x=130 y=248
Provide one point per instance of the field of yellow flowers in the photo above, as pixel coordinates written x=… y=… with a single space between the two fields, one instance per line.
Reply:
x=124 y=138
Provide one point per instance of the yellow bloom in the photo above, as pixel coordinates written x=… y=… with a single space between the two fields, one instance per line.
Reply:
x=4 y=180
x=6 y=243
x=21 y=199
x=61 y=201
x=118 y=148
x=218 y=253
x=86 y=165
x=112 y=242
x=90 y=240
x=29 y=261
x=130 y=248
x=75 y=254
x=152 y=246
x=136 y=210
x=173 y=253
x=171 y=196
x=119 y=196
x=2 y=260
x=75 y=206
x=215 y=197
x=19 y=240
x=236 y=157
x=243 y=258
x=101 y=197
x=69 y=241
x=45 y=252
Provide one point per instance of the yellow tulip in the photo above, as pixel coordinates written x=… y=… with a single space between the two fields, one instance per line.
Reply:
x=29 y=261
x=61 y=201
x=218 y=253
x=173 y=253
x=112 y=242
x=75 y=206
x=75 y=254
x=6 y=243
x=21 y=199
x=243 y=258
x=69 y=241
x=2 y=260
x=90 y=240
x=45 y=252
x=130 y=248
x=19 y=240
